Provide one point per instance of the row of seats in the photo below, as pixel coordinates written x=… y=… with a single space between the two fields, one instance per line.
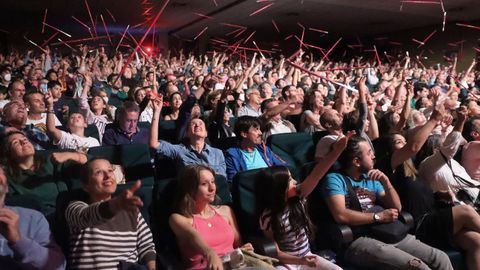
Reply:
x=296 y=149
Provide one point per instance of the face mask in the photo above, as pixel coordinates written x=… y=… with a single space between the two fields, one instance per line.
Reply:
x=7 y=77
x=43 y=88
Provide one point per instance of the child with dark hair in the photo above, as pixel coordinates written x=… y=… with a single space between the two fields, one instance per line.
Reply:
x=285 y=219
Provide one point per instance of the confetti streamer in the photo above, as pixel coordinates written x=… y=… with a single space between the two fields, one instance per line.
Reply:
x=288 y=37
x=233 y=25
x=395 y=43
x=476 y=49
x=418 y=41
x=429 y=36
x=260 y=9
x=318 y=30
x=331 y=49
x=111 y=15
x=91 y=18
x=80 y=40
x=420 y=2
x=239 y=33
x=44 y=20
x=35 y=44
x=254 y=43
x=123 y=36
x=132 y=54
x=249 y=37
x=4 y=31
x=202 y=15
x=106 y=29
x=322 y=77
x=63 y=42
x=49 y=39
x=81 y=23
x=215 y=3
x=235 y=31
x=301 y=25
x=318 y=48
x=275 y=25
x=444 y=20
x=58 y=30
x=377 y=56
x=468 y=25
x=251 y=49
x=201 y=32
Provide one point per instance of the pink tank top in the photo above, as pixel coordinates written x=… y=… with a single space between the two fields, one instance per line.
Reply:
x=216 y=232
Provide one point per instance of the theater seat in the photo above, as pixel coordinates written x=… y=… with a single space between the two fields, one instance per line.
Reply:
x=134 y=158
x=296 y=149
x=245 y=192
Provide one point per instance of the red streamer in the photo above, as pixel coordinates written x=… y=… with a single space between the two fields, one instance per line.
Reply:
x=201 y=32
x=91 y=18
x=106 y=29
x=260 y=9
x=331 y=49
x=275 y=25
x=44 y=20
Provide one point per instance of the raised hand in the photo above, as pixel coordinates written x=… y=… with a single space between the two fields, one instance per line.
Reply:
x=341 y=143
x=127 y=200
x=9 y=225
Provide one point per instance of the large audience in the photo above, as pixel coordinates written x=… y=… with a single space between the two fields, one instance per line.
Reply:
x=391 y=137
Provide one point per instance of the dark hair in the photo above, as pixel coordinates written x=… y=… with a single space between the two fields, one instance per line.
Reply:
x=187 y=187
x=52 y=84
x=469 y=127
x=27 y=95
x=309 y=99
x=128 y=106
x=244 y=123
x=264 y=104
x=274 y=184
x=350 y=120
x=105 y=110
x=385 y=123
x=85 y=169
x=50 y=72
x=12 y=167
x=285 y=89
x=351 y=151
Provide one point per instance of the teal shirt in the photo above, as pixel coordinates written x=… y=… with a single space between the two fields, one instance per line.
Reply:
x=253 y=160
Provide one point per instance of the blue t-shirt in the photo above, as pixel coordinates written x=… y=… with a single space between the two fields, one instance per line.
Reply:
x=367 y=190
x=253 y=160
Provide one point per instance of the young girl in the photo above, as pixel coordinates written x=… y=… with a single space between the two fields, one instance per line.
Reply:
x=285 y=219
x=204 y=232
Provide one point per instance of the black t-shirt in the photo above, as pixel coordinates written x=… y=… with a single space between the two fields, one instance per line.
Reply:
x=416 y=196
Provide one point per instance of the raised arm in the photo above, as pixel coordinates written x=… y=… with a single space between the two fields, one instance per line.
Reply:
x=52 y=131
x=416 y=140
x=157 y=103
x=309 y=184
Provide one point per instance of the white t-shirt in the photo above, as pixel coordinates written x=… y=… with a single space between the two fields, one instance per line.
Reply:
x=324 y=146
x=75 y=142
x=42 y=122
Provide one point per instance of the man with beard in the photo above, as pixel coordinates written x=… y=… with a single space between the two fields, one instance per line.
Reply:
x=354 y=196
x=25 y=237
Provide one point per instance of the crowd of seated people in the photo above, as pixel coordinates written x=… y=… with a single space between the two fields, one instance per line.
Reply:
x=392 y=137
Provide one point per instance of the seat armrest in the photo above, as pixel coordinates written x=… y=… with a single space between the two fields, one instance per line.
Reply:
x=263 y=246
x=341 y=233
x=406 y=218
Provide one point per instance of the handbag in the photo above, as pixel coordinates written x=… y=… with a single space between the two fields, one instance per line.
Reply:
x=388 y=233
x=462 y=194
x=241 y=258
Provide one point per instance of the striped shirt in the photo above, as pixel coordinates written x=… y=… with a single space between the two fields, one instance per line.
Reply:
x=292 y=242
x=100 y=240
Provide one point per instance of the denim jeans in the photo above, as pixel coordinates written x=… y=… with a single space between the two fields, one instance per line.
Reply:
x=409 y=253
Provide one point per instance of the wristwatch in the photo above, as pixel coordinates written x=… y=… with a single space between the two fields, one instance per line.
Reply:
x=376 y=218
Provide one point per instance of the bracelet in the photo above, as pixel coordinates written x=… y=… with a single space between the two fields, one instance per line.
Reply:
x=50 y=111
